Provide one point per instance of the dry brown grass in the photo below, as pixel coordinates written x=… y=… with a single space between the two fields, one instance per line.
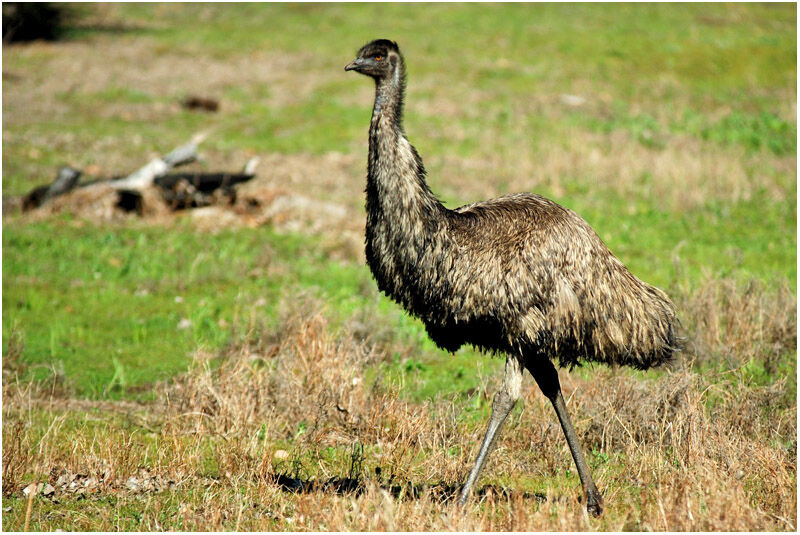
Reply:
x=683 y=175
x=678 y=450
x=736 y=323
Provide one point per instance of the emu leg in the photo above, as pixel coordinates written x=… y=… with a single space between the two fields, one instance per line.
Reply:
x=504 y=401
x=547 y=378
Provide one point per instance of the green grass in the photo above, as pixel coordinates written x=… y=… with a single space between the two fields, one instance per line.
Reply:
x=105 y=302
x=699 y=43
x=680 y=67
x=752 y=131
x=104 y=305
x=748 y=239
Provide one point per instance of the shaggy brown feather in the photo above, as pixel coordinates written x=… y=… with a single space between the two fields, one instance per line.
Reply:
x=518 y=274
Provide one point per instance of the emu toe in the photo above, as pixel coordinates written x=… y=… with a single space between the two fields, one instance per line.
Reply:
x=594 y=503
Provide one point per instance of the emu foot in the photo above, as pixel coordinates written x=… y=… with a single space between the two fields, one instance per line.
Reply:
x=594 y=502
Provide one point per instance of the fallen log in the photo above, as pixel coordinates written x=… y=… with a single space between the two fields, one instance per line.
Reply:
x=68 y=177
x=132 y=192
x=204 y=182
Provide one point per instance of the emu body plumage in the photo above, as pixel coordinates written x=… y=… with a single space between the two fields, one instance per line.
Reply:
x=519 y=275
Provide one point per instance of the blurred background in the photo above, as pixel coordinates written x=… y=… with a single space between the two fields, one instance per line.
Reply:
x=671 y=128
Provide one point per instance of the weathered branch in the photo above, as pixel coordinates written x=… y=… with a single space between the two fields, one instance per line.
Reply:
x=65 y=181
x=144 y=177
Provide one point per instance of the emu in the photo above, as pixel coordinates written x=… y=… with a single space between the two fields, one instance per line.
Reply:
x=518 y=275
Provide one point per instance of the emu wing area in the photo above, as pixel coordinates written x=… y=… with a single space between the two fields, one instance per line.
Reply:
x=532 y=277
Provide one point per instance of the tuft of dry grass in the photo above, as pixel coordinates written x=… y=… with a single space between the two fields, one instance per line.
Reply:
x=735 y=322
x=304 y=373
x=310 y=386
x=16 y=456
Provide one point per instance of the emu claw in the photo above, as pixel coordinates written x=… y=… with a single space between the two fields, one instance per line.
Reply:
x=594 y=503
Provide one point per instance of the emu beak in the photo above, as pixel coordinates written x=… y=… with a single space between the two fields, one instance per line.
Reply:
x=355 y=64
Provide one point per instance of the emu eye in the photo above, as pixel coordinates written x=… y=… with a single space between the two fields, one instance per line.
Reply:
x=378 y=58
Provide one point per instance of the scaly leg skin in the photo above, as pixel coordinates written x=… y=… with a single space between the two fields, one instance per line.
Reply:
x=504 y=401
x=547 y=378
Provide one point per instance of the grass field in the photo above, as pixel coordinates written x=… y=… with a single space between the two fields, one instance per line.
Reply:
x=160 y=375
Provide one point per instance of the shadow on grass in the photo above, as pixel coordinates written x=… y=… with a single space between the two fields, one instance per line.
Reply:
x=80 y=29
x=352 y=486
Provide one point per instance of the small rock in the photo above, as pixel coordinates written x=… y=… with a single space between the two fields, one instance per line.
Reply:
x=573 y=100
x=195 y=102
x=63 y=480
x=34 y=488
x=185 y=323
x=212 y=218
x=93 y=169
x=48 y=490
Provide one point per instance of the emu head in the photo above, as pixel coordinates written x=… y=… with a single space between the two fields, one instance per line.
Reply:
x=380 y=59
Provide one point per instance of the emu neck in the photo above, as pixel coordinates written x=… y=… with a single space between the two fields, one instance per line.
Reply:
x=389 y=100
x=387 y=116
x=396 y=187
